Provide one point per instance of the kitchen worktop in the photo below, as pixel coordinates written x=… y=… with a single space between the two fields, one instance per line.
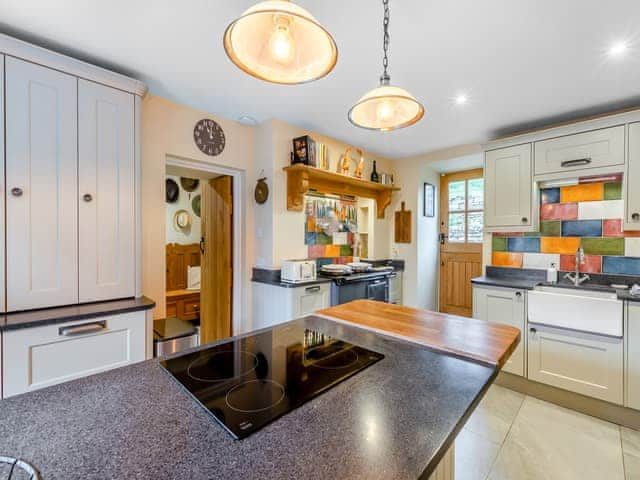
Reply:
x=467 y=337
x=48 y=316
x=528 y=279
x=395 y=419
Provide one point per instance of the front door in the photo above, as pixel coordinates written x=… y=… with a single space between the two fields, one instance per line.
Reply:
x=216 y=260
x=461 y=234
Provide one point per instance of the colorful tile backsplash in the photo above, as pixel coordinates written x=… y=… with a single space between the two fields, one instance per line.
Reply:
x=587 y=215
x=330 y=226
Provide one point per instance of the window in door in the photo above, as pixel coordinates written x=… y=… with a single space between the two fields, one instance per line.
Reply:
x=466 y=210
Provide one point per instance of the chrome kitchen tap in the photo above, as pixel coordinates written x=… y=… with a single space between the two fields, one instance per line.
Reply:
x=576 y=278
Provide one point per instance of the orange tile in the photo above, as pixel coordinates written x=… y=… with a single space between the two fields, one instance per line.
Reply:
x=505 y=259
x=332 y=251
x=585 y=192
x=566 y=245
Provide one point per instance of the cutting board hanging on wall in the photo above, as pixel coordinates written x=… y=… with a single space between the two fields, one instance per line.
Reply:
x=403 y=225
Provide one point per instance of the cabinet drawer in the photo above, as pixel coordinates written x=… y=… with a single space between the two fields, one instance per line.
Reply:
x=38 y=357
x=580 y=362
x=191 y=308
x=172 y=309
x=582 y=151
x=307 y=300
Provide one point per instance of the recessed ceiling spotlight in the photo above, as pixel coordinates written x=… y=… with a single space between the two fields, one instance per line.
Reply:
x=461 y=99
x=247 y=120
x=618 y=49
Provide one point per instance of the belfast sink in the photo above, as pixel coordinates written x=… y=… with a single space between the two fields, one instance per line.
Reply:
x=584 y=310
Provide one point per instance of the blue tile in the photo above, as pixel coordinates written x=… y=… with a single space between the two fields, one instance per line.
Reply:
x=550 y=195
x=310 y=238
x=621 y=265
x=323 y=261
x=582 y=228
x=523 y=244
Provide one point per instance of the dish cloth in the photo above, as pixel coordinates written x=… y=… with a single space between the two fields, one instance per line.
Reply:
x=635 y=290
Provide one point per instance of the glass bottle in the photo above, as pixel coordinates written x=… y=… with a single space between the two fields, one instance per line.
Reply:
x=374 y=174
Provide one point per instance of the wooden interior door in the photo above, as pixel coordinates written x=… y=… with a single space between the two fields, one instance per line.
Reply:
x=461 y=234
x=216 y=280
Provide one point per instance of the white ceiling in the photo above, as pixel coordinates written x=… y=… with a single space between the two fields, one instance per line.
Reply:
x=522 y=63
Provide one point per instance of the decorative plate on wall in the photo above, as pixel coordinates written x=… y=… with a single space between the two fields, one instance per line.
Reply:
x=195 y=205
x=189 y=184
x=172 y=190
x=261 y=193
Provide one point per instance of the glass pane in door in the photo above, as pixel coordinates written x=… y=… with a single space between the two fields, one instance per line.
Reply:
x=457 y=196
x=476 y=194
x=475 y=220
x=457 y=227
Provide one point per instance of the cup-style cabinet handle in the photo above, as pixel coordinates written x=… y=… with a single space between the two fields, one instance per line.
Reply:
x=518 y=294
x=525 y=219
x=635 y=216
x=16 y=192
x=87 y=197
x=533 y=330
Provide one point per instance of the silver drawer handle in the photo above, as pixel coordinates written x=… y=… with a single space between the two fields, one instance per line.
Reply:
x=576 y=162
x=72 y=330
x=312 y=289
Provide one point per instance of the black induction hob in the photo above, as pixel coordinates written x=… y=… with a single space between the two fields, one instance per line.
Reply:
x=248 y=382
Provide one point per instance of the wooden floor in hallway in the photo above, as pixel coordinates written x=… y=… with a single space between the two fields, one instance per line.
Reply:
x=512 y=436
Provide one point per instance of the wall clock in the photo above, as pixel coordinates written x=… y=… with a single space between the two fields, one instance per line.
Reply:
x=209 y=137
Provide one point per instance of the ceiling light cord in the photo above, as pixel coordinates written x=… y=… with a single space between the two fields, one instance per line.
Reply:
x=384 y=79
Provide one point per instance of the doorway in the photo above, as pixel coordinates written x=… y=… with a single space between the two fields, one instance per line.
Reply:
x=200 y=253
x=461 y=236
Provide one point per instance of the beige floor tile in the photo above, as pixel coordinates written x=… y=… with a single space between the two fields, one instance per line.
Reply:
x=495 y=413
x=474 y=456
x=630 y=441
x=631 y=467
x=550 y=442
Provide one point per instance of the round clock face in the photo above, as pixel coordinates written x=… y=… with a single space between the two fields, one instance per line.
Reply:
x=209 y=137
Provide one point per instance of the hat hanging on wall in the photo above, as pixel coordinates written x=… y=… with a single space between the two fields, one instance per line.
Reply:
x=189 y=184
x=172 y=191
x=182 y=220
x=195 y=205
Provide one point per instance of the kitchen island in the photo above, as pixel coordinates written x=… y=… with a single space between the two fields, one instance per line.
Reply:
x=396 y=419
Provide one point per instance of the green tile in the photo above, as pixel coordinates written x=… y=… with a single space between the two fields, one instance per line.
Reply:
x=346 y=250
x=603 y=246
x=550 y=229
x=613 y=191
x=323 y=239
x=499 y=244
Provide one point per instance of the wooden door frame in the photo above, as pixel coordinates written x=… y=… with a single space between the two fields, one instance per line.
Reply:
x=239 y=253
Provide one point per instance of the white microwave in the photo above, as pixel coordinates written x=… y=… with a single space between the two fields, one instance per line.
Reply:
x=296 y=271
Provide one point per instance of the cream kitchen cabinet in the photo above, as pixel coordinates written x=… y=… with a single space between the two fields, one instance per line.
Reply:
x=632 y=361
x=38 y=357
x=509 y=193
x=106 y=177
x=581 y=151
x=273 y=304
x=632 y=194
x=507 y=306
x=71 y=207
x=584 y=363
x=42 y=183
x=3 y=304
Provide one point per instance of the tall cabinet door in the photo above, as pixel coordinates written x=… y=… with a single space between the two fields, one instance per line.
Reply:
x=106 y=192
x=3 y=305
x=509 y=189
x=631 y=192
x=42 y=192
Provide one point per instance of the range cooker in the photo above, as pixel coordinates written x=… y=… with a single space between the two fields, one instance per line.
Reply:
x=369 y=285
x=246 y=383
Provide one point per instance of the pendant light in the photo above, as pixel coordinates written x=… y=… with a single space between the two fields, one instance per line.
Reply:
x=386 y=107
x=280 y=42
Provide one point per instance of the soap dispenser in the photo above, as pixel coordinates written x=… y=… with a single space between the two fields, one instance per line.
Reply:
x=552 y=274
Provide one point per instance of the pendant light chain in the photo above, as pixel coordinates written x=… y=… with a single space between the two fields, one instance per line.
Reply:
x=384 y=79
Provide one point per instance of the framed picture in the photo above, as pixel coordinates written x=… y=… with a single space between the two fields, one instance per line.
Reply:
x=429 y=200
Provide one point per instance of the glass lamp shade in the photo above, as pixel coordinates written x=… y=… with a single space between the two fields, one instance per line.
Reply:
x=386 y=108
x=280 y=42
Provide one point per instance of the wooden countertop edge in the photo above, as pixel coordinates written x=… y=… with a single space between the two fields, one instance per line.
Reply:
x=467 y=353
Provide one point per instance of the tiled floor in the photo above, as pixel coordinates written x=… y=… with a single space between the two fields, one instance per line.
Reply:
x=511 y=436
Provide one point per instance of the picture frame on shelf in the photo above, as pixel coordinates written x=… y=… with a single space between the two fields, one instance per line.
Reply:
x=429 y=200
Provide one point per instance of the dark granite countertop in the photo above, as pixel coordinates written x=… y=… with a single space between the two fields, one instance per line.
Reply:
x=393 y=420
x=48 y=316
x=519 y=283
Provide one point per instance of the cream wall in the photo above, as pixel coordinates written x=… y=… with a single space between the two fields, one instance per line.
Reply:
x=420 y=280
x=167 y=130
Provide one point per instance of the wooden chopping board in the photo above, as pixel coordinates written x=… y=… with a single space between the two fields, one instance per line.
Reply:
x=403 y=225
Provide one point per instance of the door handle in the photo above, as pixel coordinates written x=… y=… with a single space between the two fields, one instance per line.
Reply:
x=202 y=245
x=576 y=162
x=443 y=238
x=73 y=330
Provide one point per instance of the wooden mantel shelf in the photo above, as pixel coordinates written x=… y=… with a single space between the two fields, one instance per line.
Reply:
x=302 y=178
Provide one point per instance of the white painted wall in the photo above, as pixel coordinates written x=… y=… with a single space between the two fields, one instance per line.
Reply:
x=174 y=234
